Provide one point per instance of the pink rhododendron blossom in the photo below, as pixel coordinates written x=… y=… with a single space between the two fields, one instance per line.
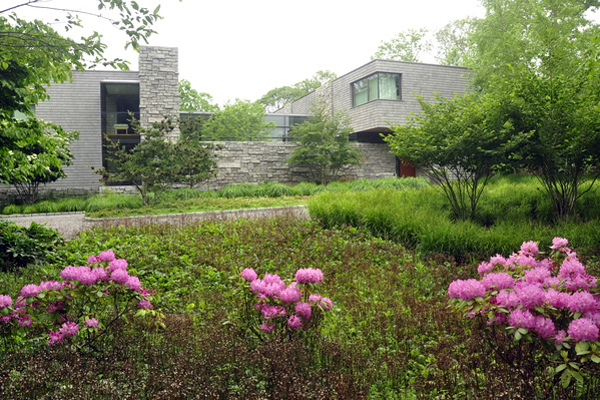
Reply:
x=326 y=303
x=525 y=261
x=69 y=273
x=560 y=337
x=101 y=274
x=521 y=319
x=309 y=275
x=314 y=298
x=87 y=277
x=498 y=260
x=544 y=327
x=537 y=275
x=571 y=268
x=107 y=255
x=270 y=312
x=30 y=290
x=119 y=276
x=134 y=283
x=582 y=302
x=485 y=268
x=256 y=286
x=92 y=260
x=466 y=289
x=267 y=327
x=295 y=322
x=529 y=248
x=290 y=295
x=5 y=301
x=144 y=304
x=57 y=305
x=55 y=338
x=583 y=330
x=303 y=309
x=507 y=298
x=584 y=282
x=557 y=299
x=593 y=316
x=531 y=296
x=249 y=274
x=559 y=244
x=69 y=329
x=25 y=320
x=52 y=285
x=91 y=323
x=500 y=280
x=117 y=264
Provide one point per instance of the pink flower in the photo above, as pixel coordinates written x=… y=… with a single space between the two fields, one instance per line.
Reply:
x=466 y=289
x=51 y=285
x=57 y=305
x=531 y=295
x=559 y=244
x=309 y=275
x=134 y=283
x=529 y=248
x=144 y=304
x=583 y=330
x=537 y=275
x=500 y=280
x=249 y=274
x=326 y=303
x=69 y=329
x=108 y=255
x=272 y=311
x=87 y=277
x=314 y=298
x=101 y=274
x=25 y=320
x=55 y=337
x=69 y=273
x=521 y=319
x=119 y=276
x=556 y=299
x=91 y=323
x=303 y=309
x=485 y=268
x=544 y=327
x=5 y=301
x=507 y=299
x=560 y=337
x=582 y=302
x=571 y=268
x=294 y=322
x=267 y=327
x=290 y=295
x=92 y=260
x=30 y=290
x=117 y=264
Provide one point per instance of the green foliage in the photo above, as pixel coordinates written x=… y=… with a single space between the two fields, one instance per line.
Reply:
x=33 y=152
x=407 y=46
x=192 y=100
x=239 y=121
x=322 y=144
x=460 y=143
x=157 y=160
x=279 y=97
x=453 y=41
x=20 y=246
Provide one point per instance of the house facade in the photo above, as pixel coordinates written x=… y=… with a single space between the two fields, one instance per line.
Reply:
x=98 y=104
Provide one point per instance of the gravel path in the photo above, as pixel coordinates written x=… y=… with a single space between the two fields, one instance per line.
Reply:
x=70 y=224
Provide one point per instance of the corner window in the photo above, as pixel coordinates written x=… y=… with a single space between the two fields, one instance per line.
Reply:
x=380 y=85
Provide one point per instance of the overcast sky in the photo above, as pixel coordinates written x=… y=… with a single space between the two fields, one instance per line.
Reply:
x=244 y=48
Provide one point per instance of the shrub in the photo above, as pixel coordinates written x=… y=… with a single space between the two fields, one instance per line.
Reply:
x=20 y=246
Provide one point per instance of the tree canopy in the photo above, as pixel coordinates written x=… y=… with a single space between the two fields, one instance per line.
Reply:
x=406 y=46
x=192 y=100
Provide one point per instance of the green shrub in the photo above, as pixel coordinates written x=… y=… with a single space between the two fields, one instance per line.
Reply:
x=20 y=246
x=274 y=189
x=113 y=200
x=12 y=209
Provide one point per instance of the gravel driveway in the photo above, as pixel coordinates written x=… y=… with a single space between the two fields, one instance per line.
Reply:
x=70 y=224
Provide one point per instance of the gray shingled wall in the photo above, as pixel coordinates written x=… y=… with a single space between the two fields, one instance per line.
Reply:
x=417 y=78
x=76 y=105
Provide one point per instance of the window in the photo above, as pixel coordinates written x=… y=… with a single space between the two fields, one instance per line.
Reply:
x=380 y=85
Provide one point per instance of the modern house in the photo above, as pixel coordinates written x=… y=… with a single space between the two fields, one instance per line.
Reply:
x=98 y=103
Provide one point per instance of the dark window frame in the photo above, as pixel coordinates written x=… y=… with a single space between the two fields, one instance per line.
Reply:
x=368 y=79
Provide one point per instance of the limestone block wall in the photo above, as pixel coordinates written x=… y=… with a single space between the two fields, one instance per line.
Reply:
x=257 y=162
x=159 y=80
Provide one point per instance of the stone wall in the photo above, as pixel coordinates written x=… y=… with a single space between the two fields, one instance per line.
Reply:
x=159 y=84
x=258 y=162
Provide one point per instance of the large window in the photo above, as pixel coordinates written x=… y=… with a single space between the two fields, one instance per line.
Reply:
x=380 y=85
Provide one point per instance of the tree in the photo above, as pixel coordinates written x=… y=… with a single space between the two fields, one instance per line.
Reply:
x=33 y=152
x=543 y=56
x=323 y=146
x=407 y=46
x=158 y=161
x=239 y=121
x=191 y=100
x=460 y=143
x=453 y=41
x=279 y=97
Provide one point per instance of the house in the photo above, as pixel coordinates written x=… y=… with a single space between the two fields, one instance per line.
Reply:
x=98 y=104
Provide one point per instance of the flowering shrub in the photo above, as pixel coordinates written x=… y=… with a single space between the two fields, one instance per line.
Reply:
x=283 y=308
x=84 y=305
x=550 y=299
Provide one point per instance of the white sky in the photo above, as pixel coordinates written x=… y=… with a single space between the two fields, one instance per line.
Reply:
x=244 y=48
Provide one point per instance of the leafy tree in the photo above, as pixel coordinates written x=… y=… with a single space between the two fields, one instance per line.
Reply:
x=157 y=160
x=191 y=100
x=279 y=97
x=460 y=143
x=406 y=46
x=323 y=145
x=453 y=41
x=543 y=56
x=239 y=121
x=33 y=152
